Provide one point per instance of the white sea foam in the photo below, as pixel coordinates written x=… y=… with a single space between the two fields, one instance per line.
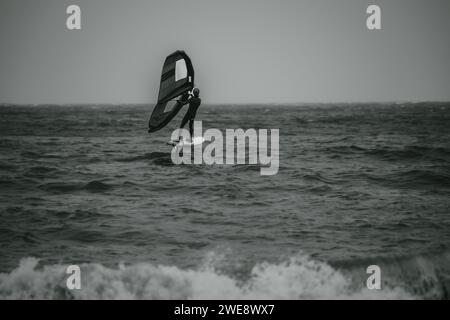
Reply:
x=297 y=278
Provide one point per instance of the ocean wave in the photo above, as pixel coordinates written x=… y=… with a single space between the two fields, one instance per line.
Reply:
x=390 y=153
x=411 y=153
x=426 y=276
x=97 y=186
x=298 y=277
x=39 y=155
x=61 y=187
x=416 y=178
x=158 y=158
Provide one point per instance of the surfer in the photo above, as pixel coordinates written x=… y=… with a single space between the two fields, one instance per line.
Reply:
x=194 y=103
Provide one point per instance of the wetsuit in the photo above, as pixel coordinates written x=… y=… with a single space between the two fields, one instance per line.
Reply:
x=194 y=103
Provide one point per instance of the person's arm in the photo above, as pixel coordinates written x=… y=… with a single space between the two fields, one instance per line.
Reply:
x=185 y=99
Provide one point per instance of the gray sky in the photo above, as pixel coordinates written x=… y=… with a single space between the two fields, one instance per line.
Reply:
x=242 y=50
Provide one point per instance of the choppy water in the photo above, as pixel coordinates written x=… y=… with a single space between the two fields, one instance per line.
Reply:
x=357 y=185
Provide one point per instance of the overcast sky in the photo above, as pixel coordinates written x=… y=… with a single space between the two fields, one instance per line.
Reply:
x=242 y=50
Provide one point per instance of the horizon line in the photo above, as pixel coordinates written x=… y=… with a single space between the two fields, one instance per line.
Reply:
x=3 y=104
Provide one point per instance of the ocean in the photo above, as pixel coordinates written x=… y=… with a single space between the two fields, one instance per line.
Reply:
x=358 y=185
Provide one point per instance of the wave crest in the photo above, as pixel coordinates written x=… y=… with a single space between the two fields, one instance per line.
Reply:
x=299 y=277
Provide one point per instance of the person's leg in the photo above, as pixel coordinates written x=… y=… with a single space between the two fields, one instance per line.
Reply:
x=183 y=123
x=191 y=128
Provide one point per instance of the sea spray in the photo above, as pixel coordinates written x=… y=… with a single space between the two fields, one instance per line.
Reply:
x=298 y=277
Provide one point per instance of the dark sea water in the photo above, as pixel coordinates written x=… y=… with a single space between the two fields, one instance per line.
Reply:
x=357 y=185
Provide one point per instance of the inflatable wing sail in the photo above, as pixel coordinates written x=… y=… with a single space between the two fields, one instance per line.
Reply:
x=177 y=79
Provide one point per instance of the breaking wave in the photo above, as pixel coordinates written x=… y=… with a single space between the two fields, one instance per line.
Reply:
x=298 y=277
